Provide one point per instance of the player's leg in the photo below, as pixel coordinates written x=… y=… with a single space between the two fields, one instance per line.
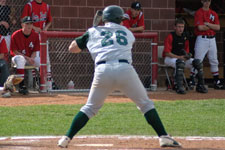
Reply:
x=179 y=71
x=197 y=64
x=94 y=103
x=178 y=64
x=36 y=74
x=170 y=62
x=188 y=64
x=132 y=87
x=201 y=48
x=101 y=87
x=213 y=60
x=19 y=62
x=130 y=84
x=4 y=72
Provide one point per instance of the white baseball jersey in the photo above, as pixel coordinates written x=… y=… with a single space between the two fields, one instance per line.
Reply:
x=111 y=44
x=118 y=40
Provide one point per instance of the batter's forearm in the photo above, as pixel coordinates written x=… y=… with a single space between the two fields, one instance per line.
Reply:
x=73 y=48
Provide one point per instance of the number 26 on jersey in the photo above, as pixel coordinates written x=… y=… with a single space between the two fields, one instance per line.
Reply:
x=120 y=38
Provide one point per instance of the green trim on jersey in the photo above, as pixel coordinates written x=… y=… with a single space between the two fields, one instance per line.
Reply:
x=82 y=40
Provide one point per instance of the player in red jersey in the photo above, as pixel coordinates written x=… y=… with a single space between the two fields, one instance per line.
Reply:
x=134 y=18
x=206 y=25
x=24 y=45
x=176 y=53
x=4 y=70
x=40 y=13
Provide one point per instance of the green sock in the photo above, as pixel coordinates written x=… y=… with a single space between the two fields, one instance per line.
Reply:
x=78 y=122
x=153 y=119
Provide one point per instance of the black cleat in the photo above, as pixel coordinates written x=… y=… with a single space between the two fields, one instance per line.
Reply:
x=201 y=88
x=218 y=85
x=180 y=90
x=23 y=90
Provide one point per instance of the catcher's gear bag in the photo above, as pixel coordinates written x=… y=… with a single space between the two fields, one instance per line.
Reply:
x=10 y=83
x=113 y=13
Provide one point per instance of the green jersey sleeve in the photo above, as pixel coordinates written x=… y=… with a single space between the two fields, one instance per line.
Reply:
x=82 y=40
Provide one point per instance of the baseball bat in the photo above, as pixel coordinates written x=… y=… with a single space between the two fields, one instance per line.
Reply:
x=97 y=18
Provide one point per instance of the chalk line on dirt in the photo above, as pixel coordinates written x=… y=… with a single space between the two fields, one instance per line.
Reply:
x=189 y=138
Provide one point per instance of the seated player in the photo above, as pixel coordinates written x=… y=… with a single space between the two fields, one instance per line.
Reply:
x=176 y=53
x=24 y=45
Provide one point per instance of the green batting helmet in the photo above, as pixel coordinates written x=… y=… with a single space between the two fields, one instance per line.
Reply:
x=113 y=13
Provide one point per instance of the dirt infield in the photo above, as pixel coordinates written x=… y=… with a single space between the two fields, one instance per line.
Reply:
x=110 y=143
x=107 y=142
x=71 y=98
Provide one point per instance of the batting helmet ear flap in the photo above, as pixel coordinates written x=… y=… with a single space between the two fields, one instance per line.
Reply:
x=113 y=13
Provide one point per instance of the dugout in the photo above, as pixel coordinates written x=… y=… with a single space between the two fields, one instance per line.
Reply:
x=186 y=9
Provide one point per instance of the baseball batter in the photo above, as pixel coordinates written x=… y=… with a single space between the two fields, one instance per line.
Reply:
x=206 y=23
x=24 y=45
x=110 y=47
x=41 y=15
x=176 y=53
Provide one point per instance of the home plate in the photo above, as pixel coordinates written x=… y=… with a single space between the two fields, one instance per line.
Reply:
x=95 y=145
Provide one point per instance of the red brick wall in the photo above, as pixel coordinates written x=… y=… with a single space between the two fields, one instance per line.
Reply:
x=77 y=15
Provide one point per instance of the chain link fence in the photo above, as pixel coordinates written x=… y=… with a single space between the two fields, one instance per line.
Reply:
x=65 y=66
x=10 y=12
x=79 y=68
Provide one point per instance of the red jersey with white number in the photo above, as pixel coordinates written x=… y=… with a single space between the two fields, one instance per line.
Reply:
x=133 y=22
x=202 y=16
x=24 y=44
x=40 y=13
x=3 y=48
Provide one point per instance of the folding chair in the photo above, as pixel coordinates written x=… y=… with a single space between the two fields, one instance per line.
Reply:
x=166 y=68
